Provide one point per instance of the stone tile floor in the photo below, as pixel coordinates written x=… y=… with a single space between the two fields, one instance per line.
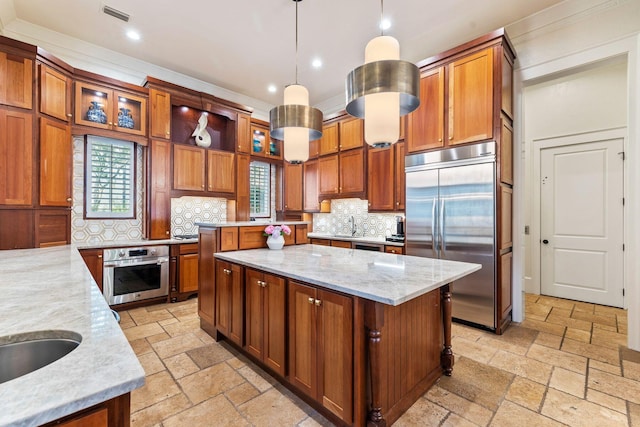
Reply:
x=566 y=364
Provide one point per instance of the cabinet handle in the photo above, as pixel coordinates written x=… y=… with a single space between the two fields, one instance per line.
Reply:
x=226 y=271
x=450 y=138
x=110 y=123
x=439 y=139
x=99 y=256
x=311 y=300
x=69 y=115
x=318 y=302
x=69 y=199
x=166 y=232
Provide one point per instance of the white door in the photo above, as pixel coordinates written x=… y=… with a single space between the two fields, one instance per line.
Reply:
x=581 y=213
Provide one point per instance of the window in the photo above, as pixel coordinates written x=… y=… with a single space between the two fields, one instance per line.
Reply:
x=259 y=189
x=109 y=178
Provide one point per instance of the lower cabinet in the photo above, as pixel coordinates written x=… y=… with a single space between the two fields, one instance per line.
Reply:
x=183 y=271
x=229 y=300
x=93 y=259
x=321 y=347
x=265 y=318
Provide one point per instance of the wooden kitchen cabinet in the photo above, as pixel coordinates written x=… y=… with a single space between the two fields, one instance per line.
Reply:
x=221 y=171
x=400 y=178
x=56 y=153
x=12 y=220
x=329 y=143
x=341 y=244
x=381 y=184
x=229 y=300
x=243 y=164
x=188 y=167
x=52 y=227
x=183 y=271
x=311 y=203
x=398 y=250
x=109 y=109
x=293 y=191
x=159 y=215
x=321 y=347
x=425 y=126
x=352 y=174
x=55 y=93
x=243 y=132
x=94 y=261
x=328 y=169
x=228 y=239
x=207 y=246
x=159 y=114
x=314 y=148
x=265 y=317
x=16 y=80
x=16 y=162
x=263 y=145
x=351 y=133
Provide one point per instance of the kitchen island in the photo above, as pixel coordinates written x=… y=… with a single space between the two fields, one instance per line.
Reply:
x=50 y=292
x=359 y=335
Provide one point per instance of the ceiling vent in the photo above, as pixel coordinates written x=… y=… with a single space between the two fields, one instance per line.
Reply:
x=115 y=13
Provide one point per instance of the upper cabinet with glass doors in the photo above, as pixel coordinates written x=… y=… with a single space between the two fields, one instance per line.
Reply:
x=110 y=109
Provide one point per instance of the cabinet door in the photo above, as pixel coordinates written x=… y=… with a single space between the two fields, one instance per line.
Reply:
x=16 y=162
x=425 y=126
x=274 y=290
x=293 y=186
x=311 y=201
x=52 y=227
x=335 y=353
x=97 y=418
x=55 y=93
x=400 y=180
x=206 y=277
x=188 y=168
x=471 y=98
x=229 y=300
x=93 y=259
x=352 y=176
x=159 y=189
x=130 y=113
x=302 y=339
x=243 y=162
x=506 y=153
x=12 y=220
x=260 y=140
x=16 y=80
x=329 y=140
x=380 y=164
x=351 y=133
x=93 y=106
x=254 y=313
x=328 y=175
x=314 y=149
x=243 y=133
x=160 y=114
x=221 y=171
x=55 y=163
x=236 y=323
x=228 y=239
x=188 y=268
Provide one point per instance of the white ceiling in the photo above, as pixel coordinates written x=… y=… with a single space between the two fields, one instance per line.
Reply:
x=246 y=45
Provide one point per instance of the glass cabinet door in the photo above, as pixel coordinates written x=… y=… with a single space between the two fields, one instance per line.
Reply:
x=93 y=106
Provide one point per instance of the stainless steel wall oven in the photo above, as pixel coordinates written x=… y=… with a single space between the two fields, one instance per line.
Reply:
x=133 y=274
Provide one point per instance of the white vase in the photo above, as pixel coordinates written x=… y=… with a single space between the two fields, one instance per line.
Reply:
x=275 y=241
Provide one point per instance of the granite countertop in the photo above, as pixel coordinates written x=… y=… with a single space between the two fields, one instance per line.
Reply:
x=132 y=243
x=378 y=276
x=51 y=289
x=371 y=239
x=249 y=223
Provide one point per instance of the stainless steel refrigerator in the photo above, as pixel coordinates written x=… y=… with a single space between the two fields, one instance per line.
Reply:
x=450 y=214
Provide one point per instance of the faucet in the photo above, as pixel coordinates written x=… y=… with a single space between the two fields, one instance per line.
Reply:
x=352 y=221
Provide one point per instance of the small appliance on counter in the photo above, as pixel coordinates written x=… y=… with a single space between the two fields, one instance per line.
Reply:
x=398 y=237
x=185 y=236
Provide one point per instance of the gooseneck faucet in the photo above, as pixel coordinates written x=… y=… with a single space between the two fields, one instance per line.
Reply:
x=352 y=221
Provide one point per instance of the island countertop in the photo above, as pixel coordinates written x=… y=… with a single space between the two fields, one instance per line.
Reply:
x=383 y=277
x=51 y=289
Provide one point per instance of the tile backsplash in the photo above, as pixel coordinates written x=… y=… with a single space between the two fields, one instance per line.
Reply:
x=186 y=211
x=367 y=224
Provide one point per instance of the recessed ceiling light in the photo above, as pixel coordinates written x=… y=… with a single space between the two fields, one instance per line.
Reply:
x=133 y=35
x=316 y=63
x=385 y=24
x=272 y=89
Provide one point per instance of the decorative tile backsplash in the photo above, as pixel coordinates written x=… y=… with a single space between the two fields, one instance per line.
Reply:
x=186 y=211
x=367 y=224
x=101 y=230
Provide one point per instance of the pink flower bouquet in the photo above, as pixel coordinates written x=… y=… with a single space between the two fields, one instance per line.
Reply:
x=277 y=230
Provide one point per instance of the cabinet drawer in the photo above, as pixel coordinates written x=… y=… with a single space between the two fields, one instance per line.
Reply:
x=399 y=250
x=252 y=237
x=188 y=248
x=341 y=244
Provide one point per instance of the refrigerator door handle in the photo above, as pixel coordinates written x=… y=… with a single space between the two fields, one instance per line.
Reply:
x=434 y=242
x=443 y=242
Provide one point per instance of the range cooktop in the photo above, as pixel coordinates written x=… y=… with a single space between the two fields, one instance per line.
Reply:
x=397 y=238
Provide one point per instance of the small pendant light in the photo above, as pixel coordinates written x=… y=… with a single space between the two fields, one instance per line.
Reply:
x=382 y=90
x=295 y=122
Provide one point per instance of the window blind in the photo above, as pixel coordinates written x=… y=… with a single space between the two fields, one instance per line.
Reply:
x=259 y=189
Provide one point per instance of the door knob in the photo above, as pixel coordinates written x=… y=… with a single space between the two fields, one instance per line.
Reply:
x=545 y=241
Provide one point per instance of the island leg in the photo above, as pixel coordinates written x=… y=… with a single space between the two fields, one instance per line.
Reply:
x=374 y=321
x=446 y=358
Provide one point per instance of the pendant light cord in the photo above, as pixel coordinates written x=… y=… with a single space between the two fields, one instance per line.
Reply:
x=381 y=17
x=296 y=1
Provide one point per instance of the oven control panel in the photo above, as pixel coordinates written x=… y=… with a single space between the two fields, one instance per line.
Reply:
x=136 y=253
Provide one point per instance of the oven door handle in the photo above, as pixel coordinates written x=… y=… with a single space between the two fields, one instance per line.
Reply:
x=158 y=261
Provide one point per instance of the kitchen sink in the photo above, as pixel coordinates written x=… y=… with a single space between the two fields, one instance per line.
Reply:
x=29 y=352
x=344 y=236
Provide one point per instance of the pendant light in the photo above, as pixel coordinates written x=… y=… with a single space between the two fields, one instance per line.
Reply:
x=383 y=89
x=295 y=122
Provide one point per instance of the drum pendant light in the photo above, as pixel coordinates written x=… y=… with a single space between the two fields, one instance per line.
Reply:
x=295 y=122
x=382 y=90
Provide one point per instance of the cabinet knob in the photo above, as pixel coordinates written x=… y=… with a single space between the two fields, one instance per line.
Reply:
x=110 y=123
x=450 y=138
x=69 y=115
x=311 y=300
x=318 y=302
x=226 y=271
x=99 y=256
x=439 y=139
x=69 y=199
x=166 y=232
x=167 y=133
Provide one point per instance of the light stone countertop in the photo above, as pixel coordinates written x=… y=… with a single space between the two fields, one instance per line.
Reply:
x=249 y=223
x=132 y=243
x=51 y=289
x=378 y=276
x=371 y=239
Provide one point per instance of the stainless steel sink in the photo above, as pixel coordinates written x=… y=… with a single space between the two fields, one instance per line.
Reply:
x=29 y=352
x=343 y=236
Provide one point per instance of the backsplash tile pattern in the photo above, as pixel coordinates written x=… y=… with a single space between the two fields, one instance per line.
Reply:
x=367 y=224
x=186 y=211
x=100 y=230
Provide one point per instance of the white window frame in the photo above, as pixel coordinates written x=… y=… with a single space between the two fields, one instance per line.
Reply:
x=130 y=213
x=265 y=212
